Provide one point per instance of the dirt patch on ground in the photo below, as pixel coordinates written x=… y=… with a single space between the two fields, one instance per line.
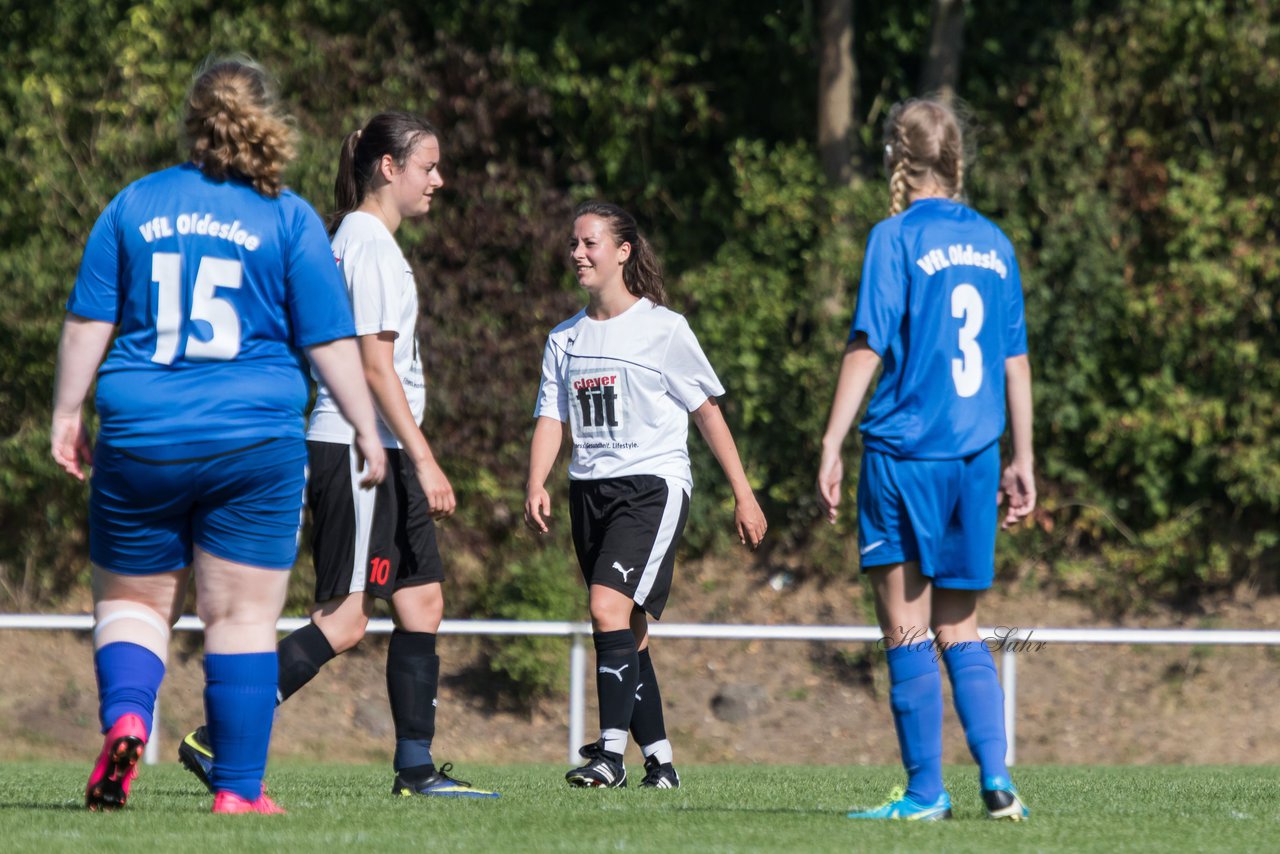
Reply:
x=794 y=702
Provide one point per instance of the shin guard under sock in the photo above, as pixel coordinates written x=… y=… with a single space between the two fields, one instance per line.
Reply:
x=617 y=671
x=916 y=697
x=413 y=676
x=302 y=654
x=979 y=701
x=239 y=703
x=647 y=723
x=129 y=678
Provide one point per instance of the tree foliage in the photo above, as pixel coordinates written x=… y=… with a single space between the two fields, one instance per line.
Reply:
x=1140 y=175
x=1126 y=147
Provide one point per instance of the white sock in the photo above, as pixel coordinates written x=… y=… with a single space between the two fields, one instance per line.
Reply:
x=660 y=749
x=615 y=740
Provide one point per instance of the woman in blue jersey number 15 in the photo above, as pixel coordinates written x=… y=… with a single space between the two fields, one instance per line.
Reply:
x=940 y=308
x=622 y=377
x=212 y=277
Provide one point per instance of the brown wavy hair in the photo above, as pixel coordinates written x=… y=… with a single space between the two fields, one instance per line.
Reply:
x=923 y=144
x=642 y=272
x=234 y=127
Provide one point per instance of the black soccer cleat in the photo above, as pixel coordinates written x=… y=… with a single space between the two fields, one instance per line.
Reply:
x=604 y=770
x=196 y=756
x=1002 y=801
x=592 y=750
x=439 y=784
x=659 y=775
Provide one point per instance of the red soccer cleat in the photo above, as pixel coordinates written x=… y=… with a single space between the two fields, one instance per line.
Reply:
x=117 y=765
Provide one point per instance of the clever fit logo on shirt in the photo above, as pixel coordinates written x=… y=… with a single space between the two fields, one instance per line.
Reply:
x=598 y=401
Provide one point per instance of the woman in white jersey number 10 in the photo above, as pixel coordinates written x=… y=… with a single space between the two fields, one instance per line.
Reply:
x=940 y=305
x=378 y=543
x=622 y=377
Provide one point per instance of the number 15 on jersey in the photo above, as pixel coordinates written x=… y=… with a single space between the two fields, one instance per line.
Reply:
x=222 y=342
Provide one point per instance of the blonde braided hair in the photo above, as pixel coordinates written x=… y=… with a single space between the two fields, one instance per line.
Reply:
x=900 y=186
x=923 y=145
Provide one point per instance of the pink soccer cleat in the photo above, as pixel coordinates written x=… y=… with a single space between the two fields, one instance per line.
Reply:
x=108 y=787
x=229 y=803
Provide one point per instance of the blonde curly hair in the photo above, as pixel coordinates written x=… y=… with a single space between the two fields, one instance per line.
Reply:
x=923 y=145
x=234 y=126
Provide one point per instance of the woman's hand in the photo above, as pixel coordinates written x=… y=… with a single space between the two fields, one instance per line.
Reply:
x=70 y=445
x=749 y=519
x=830 y=478
x=537 y=509
x=1018 y=484
x=436 y=486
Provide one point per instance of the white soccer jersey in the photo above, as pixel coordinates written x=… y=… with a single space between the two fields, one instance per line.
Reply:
x=384 y=298
x=626 y=387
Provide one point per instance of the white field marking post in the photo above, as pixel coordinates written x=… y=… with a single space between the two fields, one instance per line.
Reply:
x=151 y=752
x=1010 y=642
x=1009 y=683
x=577 y=694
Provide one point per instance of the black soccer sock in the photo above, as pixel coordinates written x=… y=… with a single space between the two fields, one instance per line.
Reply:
x=647 y=723
x=617 y=670
x=413 y=674
x=302 y=654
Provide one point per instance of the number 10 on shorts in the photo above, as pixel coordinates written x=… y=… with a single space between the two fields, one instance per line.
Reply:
x=379 y=570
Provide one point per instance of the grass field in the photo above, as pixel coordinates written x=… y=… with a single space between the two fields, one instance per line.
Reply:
x=721 y=808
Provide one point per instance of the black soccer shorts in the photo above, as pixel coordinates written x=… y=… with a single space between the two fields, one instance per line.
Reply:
x=375 y=540
x=625 y=531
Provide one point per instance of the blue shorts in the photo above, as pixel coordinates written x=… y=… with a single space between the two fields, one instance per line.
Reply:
x=939 y=513
x=239 y=500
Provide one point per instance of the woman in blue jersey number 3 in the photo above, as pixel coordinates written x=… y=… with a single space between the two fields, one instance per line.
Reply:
x=213 y=279
x=940 y=309
x=622 y=376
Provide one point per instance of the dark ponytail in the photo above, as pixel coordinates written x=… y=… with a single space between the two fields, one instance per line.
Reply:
x=346 y=195
x=642 y=272
x=393 y=133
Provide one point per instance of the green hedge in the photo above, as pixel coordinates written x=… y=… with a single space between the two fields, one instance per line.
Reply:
x=1127 y=148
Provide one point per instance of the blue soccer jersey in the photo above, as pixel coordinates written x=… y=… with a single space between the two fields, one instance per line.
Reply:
x=941 y=303
x=214 y=289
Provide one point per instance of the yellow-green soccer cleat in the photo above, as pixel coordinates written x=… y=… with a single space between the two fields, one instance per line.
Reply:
x=196 y=756
x=439 y=784
x=901 y=808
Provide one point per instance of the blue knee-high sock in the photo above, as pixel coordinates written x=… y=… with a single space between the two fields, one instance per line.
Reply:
x=239 y=704
x=979 y=700
x=129 y=677
x=916 y=697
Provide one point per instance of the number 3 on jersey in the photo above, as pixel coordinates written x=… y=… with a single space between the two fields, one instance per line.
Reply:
x=966 y=372
x=224 y=342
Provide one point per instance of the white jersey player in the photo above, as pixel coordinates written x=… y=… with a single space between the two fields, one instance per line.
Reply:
x=622 y=377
